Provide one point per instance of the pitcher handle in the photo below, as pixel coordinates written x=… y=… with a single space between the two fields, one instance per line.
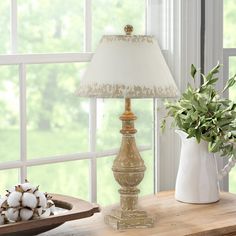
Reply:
x=227 y=168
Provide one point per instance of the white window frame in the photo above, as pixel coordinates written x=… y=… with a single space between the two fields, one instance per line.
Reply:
x=214 y=52
x=188 y=32
x=182 y=48
x=22 y=60
x=227 y=53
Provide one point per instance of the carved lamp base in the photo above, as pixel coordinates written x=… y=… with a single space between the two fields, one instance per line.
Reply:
x=128 y=169
x=128 y=219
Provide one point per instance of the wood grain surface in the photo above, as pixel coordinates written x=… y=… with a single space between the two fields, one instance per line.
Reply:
x=76 y=209
x=172 y=218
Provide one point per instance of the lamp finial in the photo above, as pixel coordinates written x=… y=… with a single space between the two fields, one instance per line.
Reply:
x=128 y=29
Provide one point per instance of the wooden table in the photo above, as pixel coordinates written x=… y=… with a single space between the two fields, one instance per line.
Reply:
x=172 y=218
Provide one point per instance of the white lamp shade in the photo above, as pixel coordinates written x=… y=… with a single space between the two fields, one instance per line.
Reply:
x=128 y=66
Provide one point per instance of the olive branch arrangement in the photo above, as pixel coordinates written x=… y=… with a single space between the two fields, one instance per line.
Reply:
x=203 y=113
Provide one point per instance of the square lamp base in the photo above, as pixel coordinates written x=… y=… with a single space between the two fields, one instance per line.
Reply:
x=129 y=219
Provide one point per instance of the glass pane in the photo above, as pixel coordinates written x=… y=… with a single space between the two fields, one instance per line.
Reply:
x=109 y=125
x=69 y=178
x=229 y=23
x=4 y=27
x=143 y=109
x=108 y=187
x=50 y=26
x=232 y=71
x=147 y=185
x=232 y=95
x=57 y=119
x=118 y=13
x=9 y=178
x=9 y=113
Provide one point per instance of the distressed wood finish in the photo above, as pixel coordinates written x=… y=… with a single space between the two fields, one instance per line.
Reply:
x=172 y=218
x=128 y=169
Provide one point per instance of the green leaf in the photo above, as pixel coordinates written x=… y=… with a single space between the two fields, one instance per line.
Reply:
x=210 y=82
x=215 y=70
x=203 y=77
x=193 y=71
x=198 y=135
x=230 y=82
x=163 y=125
x=214 y=146
x=202 y=114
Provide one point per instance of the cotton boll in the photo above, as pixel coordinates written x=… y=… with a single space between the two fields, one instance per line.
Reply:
x=46 y=213
x=29 y=200
x=3 y=199
x=51 y=206
x=37 y=212
x=25 y=202
x=40 y=211
x=2 y=219
x=26 y=214
x=19 y=189
x=42 y=199
x=11 y=190
x=12 y=214
x=3 y=202
x=27 y=187
x=14 y=198
x=52 y=209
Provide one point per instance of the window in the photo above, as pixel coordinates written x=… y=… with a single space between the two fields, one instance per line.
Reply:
x=64 y=143
x=229 y=54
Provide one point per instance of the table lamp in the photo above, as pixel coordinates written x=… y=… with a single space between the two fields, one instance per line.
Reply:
x=128 y=66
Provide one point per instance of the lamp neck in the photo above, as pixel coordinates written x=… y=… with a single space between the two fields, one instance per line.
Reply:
x=128 y=118
x=128 y=105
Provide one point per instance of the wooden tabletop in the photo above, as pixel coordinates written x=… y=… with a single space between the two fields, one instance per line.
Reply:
x=172 y=218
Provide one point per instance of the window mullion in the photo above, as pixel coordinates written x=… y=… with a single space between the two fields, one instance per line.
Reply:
x=13 y=26
x=213 y=54
x=225 y=69
x=92 y=106
x=88 y=26
x=23 y=122
x=45 y=58
x=92 y=147
x=156 y=146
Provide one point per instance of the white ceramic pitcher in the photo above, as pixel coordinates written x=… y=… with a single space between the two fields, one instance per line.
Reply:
x=198 y=179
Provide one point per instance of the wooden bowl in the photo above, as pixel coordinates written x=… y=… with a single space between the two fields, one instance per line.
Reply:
x=70 y=209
